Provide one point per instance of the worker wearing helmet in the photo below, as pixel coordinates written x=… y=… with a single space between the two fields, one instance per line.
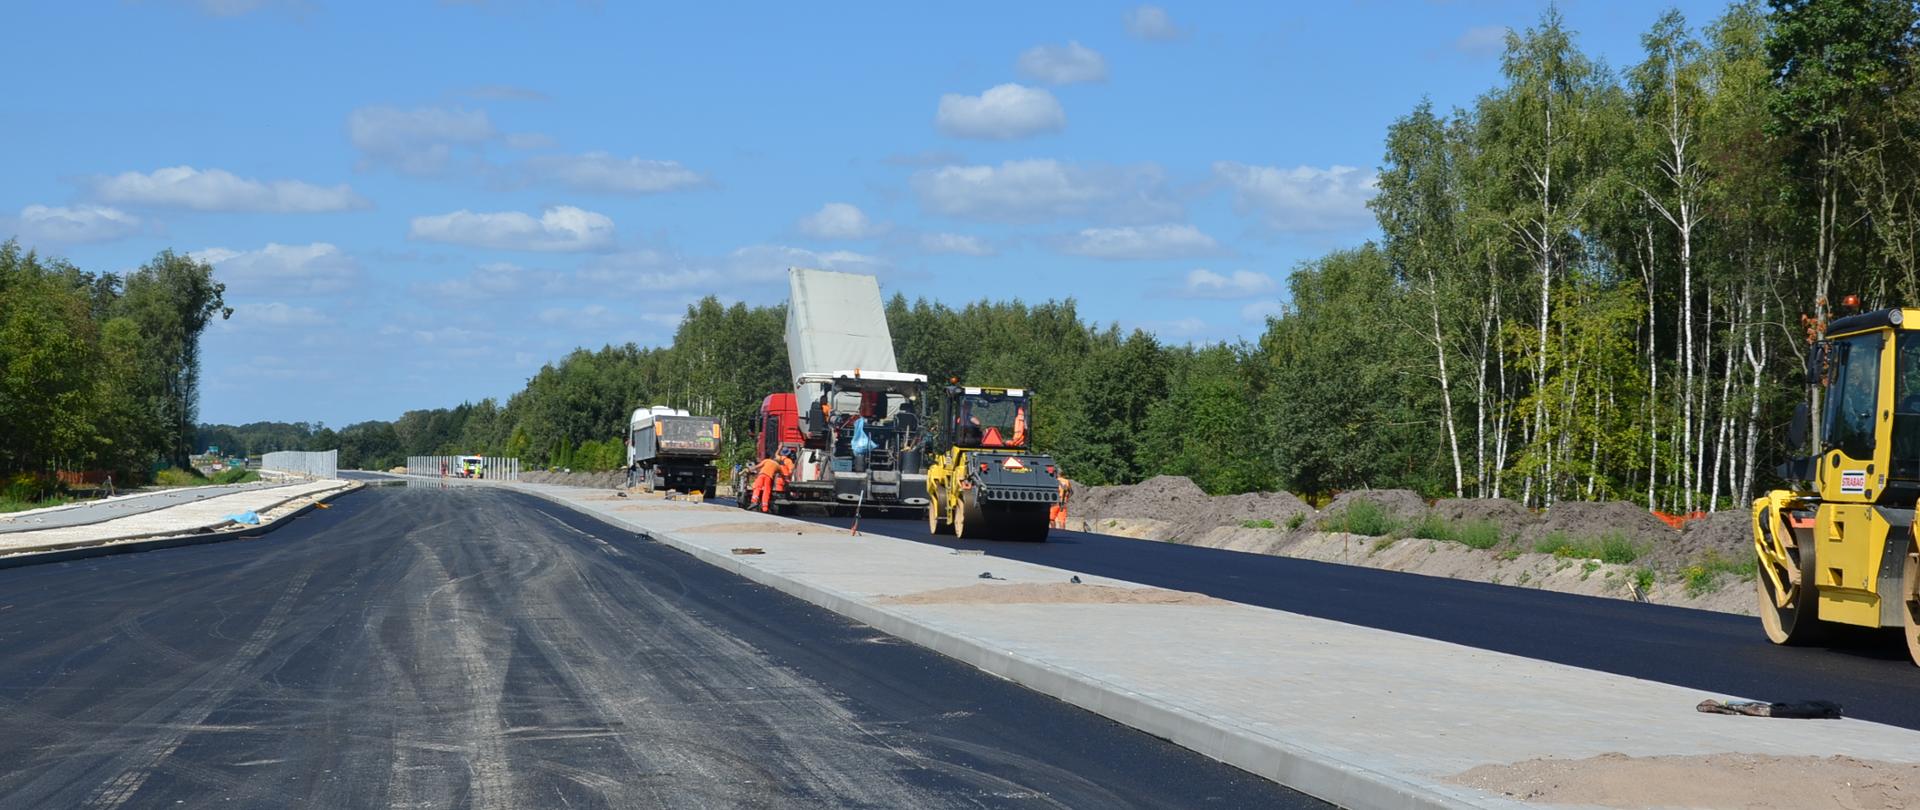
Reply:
x=784 y=472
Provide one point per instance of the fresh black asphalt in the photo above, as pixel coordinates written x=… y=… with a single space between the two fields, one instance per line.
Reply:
x=434 y=647
x=1720 y=654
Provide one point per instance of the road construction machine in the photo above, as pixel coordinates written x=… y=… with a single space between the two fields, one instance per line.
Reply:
x=1840 y=550
x=852 y=420
x=673 y=450
x=984 y=480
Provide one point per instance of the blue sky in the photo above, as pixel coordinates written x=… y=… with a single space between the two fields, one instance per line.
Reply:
x=415 y=204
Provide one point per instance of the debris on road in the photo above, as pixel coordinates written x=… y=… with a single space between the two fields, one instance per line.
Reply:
x=1799 y=710
x=749 y=550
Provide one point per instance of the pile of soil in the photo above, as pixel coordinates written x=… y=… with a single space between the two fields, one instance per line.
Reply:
x=1172 y=498
x=1587 y=520
x=1279 y=507
x=612 y=479
x=1401 y=504
x=1512 y=518
x=1727 y=533
x=1762 y=781
x=1051 y=593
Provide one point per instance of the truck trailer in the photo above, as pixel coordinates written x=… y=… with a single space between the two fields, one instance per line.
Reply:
x=675 y=451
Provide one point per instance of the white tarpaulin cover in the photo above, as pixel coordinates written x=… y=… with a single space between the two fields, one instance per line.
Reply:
x=835 y=321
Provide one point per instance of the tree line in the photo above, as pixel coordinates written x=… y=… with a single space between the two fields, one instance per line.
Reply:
x=1591 y=283
x=99 y=372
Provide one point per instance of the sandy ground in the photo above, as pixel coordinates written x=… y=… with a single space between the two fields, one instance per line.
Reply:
x=766 y=527
x=1755 y=781
x=1173 y=509
x=1052 y=593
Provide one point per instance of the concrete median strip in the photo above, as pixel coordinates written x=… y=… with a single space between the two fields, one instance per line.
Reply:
x=1359 y=717
x=203 y=521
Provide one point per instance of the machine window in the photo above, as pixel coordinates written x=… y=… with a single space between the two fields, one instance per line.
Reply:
x=1906 y=407
x=1852 y=406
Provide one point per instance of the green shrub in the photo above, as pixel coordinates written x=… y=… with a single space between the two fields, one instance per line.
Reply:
x=1361 y=517
x=1644 y=579
x=235 y=475
x=176 y=477
x=1480 y=534
x=1256 y=524
x=1430 y=527
x=1299 y=519
x=1612 y=548
x=1703 y=576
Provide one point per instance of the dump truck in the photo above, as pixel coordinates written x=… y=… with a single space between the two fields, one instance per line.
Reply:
x=852 y=420
x=985 y=481
x=1839 y=549
x=674 y=450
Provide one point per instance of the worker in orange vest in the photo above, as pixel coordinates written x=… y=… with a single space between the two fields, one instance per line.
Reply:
x=1020 y=427
x=763 y=474
x=1057 y=516
x=785 y=472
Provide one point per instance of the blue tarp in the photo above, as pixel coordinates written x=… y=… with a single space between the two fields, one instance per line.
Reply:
x=246 y=518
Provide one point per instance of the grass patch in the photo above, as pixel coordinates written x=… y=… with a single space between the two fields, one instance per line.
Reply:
x=1587 y=568
x=1299 y=519
x=1480 y=534
x=1703 y=577
x=1361 y=517
x=12 y=505
x=1383 y=544
x=1613 y=547
x=1257 y=524
x=176 y=477
x=1508 y=556
x=1643 y=579
x=236 y=475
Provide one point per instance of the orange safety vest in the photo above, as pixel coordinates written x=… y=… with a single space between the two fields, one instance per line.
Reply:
x=1020 y=427
x=785 y=469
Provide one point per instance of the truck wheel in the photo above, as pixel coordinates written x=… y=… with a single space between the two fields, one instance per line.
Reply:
x=1799 y=622
x=1910 y=593
x=969 y=523
x=935 y=526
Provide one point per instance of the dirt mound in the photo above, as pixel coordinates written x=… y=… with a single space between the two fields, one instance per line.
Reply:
x=1051 y=593
x=1163 y=497
x=1510 y=516
x=612 y=479
x=1400 y=504
x=1279 y=507
x=1759 y=781
x=1727 y=533
x=1589 y=520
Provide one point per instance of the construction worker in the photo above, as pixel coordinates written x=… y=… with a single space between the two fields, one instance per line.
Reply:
x=1020 y=427
x=784 y=472
x=1057 y=516
x=763 y=474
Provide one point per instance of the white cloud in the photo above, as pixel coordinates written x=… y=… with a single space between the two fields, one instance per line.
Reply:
x=1260 y=311
x=277 y=315
x=529 y=140
x=1004 y=112
x=1204 y=283
x=761 y=267
x=221 y=190
x=1063 y=64
x=1152 y=23
x=420 y=140
x=80 y=223
x=591 y=316
x=1482 y=40
x=1303 y=198
x=602 y=172
x=315 y=269
x=490 y=281
x=560 y=228
x=837 y=220
x=1028 y=191
x=1147 y=242
x=955 y=243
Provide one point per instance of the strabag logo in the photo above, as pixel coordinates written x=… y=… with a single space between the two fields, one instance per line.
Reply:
x=1853 y=481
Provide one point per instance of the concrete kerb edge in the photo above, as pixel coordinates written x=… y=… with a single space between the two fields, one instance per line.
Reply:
x=131 y=546
x=1313 y=772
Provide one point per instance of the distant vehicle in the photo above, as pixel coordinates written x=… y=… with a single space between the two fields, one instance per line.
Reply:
x=471 y=467
x=674 y=450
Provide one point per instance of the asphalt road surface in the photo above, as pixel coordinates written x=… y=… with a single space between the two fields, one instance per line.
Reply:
x=430 y=647
x=1720 y=654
